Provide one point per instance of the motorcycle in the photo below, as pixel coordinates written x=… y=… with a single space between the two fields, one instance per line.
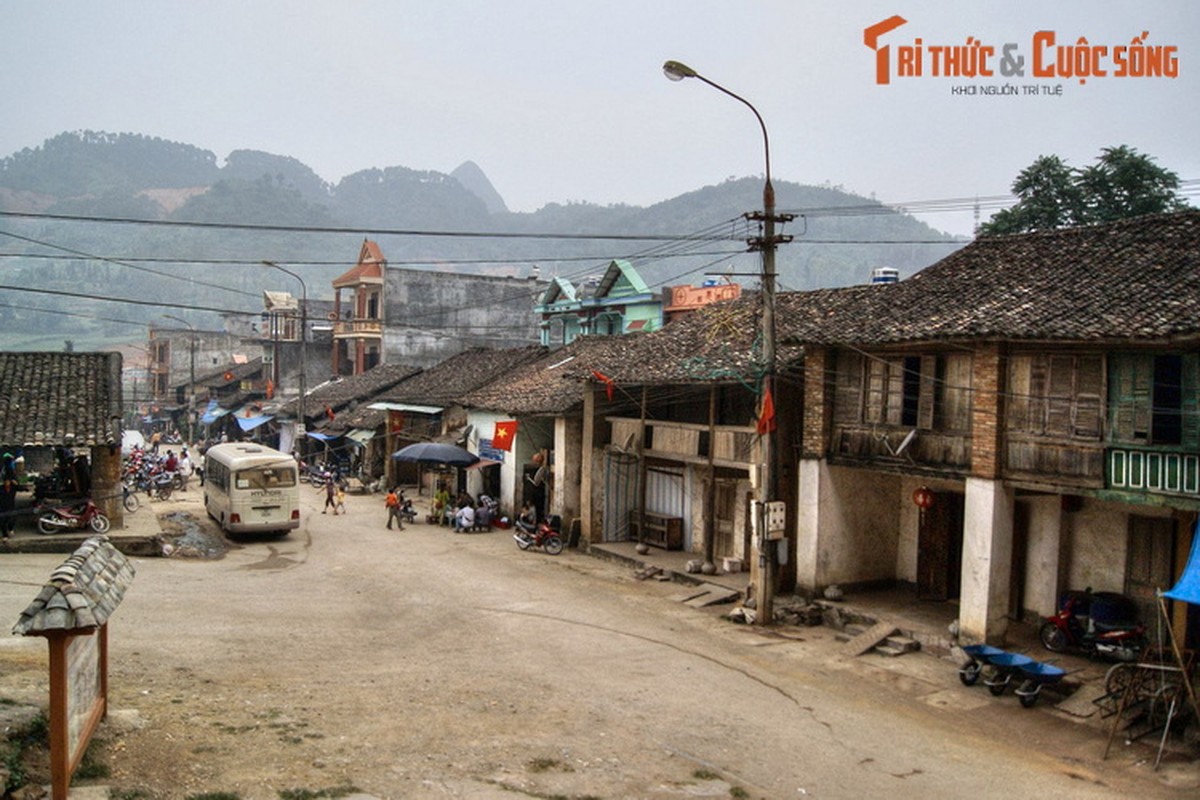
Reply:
x=1099 y=624
x=154 y=484
x=67 y=518
x=547 y=535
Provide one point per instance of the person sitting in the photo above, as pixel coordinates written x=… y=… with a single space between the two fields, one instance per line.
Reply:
x=527 y=521
x=464 y=518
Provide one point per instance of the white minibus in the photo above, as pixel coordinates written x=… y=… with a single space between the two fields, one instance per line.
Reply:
x=251 y=488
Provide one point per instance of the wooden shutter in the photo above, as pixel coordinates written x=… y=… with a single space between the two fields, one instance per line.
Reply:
x=1060 y=395
x=847 y=403
x=1190 y=407
x=1020 y=393
x=956 y=393
x=928 y=392
x=895 y=391
x=876 y=389
x=1089 y=396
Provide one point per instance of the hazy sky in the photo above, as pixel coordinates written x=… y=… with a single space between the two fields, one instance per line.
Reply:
x=566 y=101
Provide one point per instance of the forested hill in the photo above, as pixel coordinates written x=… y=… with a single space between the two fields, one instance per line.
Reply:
x=135 y=177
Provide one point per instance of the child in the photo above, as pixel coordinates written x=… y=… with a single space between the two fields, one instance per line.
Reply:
x=341 y=501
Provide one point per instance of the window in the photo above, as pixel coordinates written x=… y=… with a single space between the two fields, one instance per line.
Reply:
x=1057 y=395
x=1154 y=398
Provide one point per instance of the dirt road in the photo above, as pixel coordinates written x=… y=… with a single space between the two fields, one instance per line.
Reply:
x=427 y=664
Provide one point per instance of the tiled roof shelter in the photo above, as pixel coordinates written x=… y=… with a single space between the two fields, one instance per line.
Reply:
x=68 y=399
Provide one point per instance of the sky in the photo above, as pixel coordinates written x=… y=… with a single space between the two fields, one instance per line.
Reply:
x=560 y=101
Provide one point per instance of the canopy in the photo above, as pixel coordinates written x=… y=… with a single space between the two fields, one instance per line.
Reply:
x=250 y=423
x=323 y=437
x=212 y=413
x=1187 y=588
x=436 y=453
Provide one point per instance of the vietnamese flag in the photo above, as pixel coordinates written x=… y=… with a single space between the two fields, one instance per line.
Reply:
x=766 y=417
x=502 y=438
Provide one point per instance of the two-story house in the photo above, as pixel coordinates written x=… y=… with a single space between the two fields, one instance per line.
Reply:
x=1018 y=419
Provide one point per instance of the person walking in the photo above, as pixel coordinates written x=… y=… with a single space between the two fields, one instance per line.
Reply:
x=330 y=496
x=392 y=502
x=8 y=505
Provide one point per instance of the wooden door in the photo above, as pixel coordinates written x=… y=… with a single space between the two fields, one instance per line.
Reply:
x=1148 y=566
x=724 y=519
x=939 y=548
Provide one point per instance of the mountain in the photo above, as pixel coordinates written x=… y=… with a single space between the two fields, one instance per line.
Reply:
x=839 y=237
x=474 y=181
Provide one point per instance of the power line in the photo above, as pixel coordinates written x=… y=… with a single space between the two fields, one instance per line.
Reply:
x=239 y=226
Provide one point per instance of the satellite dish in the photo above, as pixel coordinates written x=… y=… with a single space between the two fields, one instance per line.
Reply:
x=904 y=443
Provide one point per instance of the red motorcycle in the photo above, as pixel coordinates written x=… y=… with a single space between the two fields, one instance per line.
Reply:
x=1100 y=624
x=80 y=516
x=547 y=535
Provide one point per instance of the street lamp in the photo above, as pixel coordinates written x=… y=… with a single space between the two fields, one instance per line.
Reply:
x=765 y=587
x=192 y=377
x=303 y=339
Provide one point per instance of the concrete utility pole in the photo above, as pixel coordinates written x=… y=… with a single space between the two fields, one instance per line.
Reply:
x=192 y=378
x=769 y=512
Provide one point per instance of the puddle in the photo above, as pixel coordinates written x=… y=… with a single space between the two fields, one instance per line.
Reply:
x=184 y=536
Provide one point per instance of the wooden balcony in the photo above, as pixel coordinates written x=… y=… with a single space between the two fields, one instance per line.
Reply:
x=886 y=444
x=732 y=445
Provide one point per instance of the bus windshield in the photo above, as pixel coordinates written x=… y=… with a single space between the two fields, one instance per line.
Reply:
x=265 y=478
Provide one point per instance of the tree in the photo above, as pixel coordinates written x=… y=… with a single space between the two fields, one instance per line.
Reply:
x=1123 y=183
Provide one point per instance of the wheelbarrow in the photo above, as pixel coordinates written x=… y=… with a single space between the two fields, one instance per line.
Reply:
x=980 y=655
x=1037 y=675
x=1004 y=668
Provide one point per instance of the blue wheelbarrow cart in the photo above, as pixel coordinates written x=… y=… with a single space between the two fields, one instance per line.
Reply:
x=1037 y=675
x=1004 y=668
x=980 y=655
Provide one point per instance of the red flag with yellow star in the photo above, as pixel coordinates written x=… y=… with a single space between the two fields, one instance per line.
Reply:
x=502 y=438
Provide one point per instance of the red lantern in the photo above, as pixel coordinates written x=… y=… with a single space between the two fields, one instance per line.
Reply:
x=923 y=497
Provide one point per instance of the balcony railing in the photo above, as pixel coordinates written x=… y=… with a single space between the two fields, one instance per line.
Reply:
x=358 y=328
x=731 y=445
x=1157 y=471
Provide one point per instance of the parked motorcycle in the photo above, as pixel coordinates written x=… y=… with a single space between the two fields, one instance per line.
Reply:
x=72 y=518
x=547 y=535
x=1099 y=624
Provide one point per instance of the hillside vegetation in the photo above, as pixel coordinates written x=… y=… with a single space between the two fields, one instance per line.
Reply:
x=102 y=177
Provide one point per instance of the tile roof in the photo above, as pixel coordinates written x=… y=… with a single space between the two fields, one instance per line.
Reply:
x=352 y=389
x=1137 y=279
x=83 y=592
x=718 y=343
x=449 y=381
x=68 y=399
x=370 y=267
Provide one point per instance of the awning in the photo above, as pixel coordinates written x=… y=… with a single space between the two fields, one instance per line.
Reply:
x=360 y=436
x=250 y=423
x=406 y=407
x=323 y=437
x=212 y=413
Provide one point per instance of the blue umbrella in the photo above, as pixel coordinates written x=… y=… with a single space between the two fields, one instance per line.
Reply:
x=434 y=453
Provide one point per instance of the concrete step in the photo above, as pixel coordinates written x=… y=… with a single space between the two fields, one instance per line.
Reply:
x=897 y=645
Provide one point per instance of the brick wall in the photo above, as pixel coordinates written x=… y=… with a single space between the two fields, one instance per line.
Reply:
x=987 y=411
x=818 y=401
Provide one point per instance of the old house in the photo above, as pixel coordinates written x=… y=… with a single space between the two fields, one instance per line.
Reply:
x=62 y=412
x=1016 y=420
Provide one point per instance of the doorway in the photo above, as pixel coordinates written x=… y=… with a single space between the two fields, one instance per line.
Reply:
x=939 y=548
x=1149 y=565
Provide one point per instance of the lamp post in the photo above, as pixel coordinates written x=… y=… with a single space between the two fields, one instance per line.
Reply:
x=303 y=340
x=765 y=586
x=192 y=377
